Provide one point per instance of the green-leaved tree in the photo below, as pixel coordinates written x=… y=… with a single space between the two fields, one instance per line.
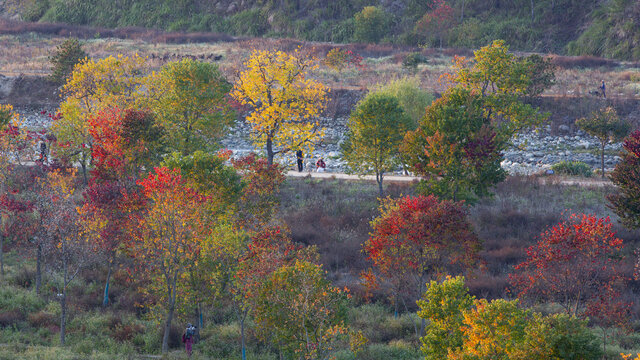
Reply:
x=376 y=129
x=605 y=125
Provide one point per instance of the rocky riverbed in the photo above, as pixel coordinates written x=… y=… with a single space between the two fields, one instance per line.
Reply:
x=532 y=152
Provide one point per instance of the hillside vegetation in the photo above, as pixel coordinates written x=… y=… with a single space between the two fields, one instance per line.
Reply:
x=589 y=27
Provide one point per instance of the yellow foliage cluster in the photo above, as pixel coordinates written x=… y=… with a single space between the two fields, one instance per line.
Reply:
x=284 y=101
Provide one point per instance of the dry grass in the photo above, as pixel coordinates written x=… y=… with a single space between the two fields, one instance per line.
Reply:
x=334 y=215
x=26 y=53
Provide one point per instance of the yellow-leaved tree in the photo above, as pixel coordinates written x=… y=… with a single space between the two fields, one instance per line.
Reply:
x=285 y=102
x=94 y=86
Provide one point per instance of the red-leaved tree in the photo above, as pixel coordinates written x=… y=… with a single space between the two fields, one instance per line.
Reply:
x=576 y=264
x=416 y=238
x=124 y=147
x=437 y=21
x=167 y=238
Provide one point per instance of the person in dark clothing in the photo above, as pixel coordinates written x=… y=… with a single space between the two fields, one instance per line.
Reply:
x=320 y=165
x=300 y=157
x=43 y=151
x=604 y=90
x=188 y=337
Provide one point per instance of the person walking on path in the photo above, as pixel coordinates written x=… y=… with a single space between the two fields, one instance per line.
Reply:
x=604 y=90
x=320 y=165
x=300 y=157
x=187 y=338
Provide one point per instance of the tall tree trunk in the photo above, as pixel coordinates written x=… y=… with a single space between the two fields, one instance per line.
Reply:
x=172 y=307
x=63 y=315
x=38 y=268
x=270 y=150
x=63 y=299
x=83 y=164
x=105 y=297
x=532 y=17
x=167 y=328
x=244 y=350
x=602 y=160
x=379 y=178
x=462 y=12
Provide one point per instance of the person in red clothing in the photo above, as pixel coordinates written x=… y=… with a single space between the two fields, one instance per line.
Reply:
x=188 y=337
x=320 y=165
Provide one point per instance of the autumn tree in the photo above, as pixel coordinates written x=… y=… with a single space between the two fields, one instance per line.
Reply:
x=284 y=101
x=191 y=101
x=259 y=201
x=65 y=251
x=248 y=268
x=300 y=311
x=626 y=176
x=168 y=237
x=572 y=264
x=209 y=175
x=457 y=146
x=462 y=327
x=126 y=143
x=414 y=238
x=606 y=126
x=94 y=86
x=437 y=21
x=376 y=129
x=443 y=304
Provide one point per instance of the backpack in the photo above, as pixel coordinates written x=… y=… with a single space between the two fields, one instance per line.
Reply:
x=189 y=333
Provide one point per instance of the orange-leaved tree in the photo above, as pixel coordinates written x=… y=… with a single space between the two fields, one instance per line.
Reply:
x=167 y=237
x=414 y=238
x=284 y=101
x=125 y=144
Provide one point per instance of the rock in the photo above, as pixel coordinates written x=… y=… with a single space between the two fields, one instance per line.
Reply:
x=564 y=128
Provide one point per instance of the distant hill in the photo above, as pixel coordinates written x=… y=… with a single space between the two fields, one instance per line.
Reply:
x=609 y=28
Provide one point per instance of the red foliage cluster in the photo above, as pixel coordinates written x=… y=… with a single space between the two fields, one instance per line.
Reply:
x=416 y=236
x=576 y=263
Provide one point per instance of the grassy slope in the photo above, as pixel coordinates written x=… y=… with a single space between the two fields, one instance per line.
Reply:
x=330 y=214
x=554 y=24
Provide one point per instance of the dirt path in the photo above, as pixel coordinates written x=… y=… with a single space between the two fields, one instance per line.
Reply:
x=585 y=182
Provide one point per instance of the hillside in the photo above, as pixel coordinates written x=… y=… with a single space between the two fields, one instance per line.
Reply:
x=589 y=27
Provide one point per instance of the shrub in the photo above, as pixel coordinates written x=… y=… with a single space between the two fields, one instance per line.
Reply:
x=572 y=168
x=65 y=57
x=12 y=298
x=412 y=60
x=9 y=318
x=42 y=319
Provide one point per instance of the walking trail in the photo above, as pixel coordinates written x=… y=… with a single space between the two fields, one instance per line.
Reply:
x=586 y=182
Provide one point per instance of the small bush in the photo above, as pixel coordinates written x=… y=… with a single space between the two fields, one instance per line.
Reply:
x=23 y=277
x=42 y=319
x=412 y=60
x=10 y=318
x=12 y=298
x=572 y=168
